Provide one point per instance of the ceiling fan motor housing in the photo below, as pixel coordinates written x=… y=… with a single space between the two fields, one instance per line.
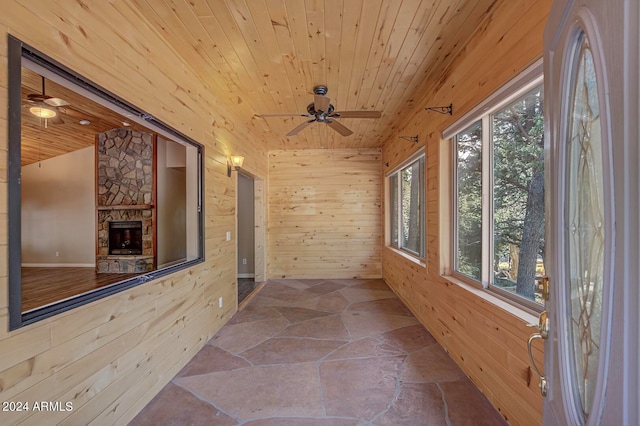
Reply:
x=320 y=115
x=320 y=90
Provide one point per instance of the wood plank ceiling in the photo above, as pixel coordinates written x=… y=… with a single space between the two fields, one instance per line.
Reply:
x=265 y=57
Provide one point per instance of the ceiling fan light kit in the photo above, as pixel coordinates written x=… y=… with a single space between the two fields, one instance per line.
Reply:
x=43 y=106
x=322 y=111
x=42 y=112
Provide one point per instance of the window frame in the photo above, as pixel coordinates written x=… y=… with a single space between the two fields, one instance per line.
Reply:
x=519 y=86
x=420 y=158
x=17 y=51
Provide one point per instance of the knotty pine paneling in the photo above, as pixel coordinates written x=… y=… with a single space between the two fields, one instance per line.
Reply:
x=482 y=336
x=324 y=214
x=111 y=357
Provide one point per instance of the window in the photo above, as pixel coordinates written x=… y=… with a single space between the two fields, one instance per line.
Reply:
x=406 y=207
x=499 y=207
x=102 y=196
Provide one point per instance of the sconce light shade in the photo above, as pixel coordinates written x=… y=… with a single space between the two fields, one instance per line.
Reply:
x=42 y=112
x=236 y=162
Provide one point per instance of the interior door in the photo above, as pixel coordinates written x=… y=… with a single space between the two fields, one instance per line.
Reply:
x=591 y=114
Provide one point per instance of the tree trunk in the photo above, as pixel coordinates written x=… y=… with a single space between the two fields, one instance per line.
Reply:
x=532 y=231
x=514 y=256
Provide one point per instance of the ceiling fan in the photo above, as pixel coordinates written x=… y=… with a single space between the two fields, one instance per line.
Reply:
x=322 y=111
x=44 y=106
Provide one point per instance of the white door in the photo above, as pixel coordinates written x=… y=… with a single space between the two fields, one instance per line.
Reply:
x=591 y=112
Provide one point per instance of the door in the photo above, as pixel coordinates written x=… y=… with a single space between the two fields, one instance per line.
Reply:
x=591 y=114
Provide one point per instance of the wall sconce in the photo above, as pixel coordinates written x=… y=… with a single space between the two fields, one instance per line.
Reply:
x=235 y=163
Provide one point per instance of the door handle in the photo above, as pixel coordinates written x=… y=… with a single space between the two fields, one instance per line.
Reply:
x=543 y=324
x=543 y=333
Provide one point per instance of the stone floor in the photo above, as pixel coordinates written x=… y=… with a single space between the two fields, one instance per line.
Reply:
x=321 y=352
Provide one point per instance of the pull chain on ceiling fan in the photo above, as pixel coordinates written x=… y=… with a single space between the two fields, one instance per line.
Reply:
x=321 y=110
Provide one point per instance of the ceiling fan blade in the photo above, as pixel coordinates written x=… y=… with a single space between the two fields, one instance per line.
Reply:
x=56 y=102
x=357 y=114
x=321 y=103
x=284 y=115
x=338 y=127
x=297 y=130
x=36 y=97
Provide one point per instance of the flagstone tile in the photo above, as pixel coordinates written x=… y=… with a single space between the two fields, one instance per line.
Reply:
x=299 y=421
x=364 y=348
x=293 y=297
x=274 y=287
x=353 y=282
x=332 y=302
x=329 y=327
x=326 y=287
x=416 y=404
x=281 y=350
x=431 y=364
x=321 y=352
x=253 y=313
x=359 y=388
x=408 y=339
x=211 y=359
x=363 y=324
x=261 y=392
x=261 y=300
x=378 y=284
x=295 y=315
x=382 y=306
x=468 y=406
x=355 y=295
x=240 y=337
x=177 y=406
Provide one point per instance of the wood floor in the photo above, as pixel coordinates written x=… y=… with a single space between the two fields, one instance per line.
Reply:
x=43 y=286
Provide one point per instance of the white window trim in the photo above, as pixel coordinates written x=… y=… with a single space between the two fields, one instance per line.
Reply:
x=419 y=259
x=525 y=81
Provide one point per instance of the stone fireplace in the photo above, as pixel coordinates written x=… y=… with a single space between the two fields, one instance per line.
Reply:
x=125 y=187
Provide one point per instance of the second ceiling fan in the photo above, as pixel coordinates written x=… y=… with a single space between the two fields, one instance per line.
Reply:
x=321 y=110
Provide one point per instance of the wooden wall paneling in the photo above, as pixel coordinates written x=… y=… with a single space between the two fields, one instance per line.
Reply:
x=260 y=234
x=487 y=341
x=322 y=205
x=475 y=77
x=454 y=329
x=414 y=75
x=229 y=46
x=125 y=394
x=106 y=355
x=316 y=10
x=333 y=32
x=299 y=98
x=365 y=43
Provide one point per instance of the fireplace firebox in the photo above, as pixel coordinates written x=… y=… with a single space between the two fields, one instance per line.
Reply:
x=125 y=237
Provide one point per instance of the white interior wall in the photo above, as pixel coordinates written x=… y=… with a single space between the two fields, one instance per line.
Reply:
x=58 y=211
